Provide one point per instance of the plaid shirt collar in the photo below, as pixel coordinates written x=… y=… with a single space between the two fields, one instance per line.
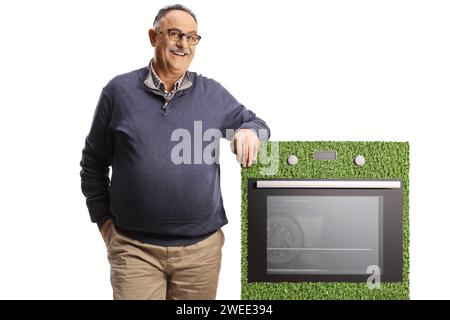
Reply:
x=159 y=84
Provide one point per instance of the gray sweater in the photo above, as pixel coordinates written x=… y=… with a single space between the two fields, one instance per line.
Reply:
x=136 y=130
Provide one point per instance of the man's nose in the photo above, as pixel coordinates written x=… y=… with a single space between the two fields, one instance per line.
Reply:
x=183 y=47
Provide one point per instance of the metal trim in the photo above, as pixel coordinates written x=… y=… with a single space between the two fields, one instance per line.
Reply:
x=326 y=184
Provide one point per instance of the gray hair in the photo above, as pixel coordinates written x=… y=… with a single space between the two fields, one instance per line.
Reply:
x=168 y=8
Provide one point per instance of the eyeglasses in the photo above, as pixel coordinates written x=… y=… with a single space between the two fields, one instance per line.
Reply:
x=177 y=35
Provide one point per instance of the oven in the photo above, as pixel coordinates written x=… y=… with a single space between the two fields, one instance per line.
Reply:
x=324 y=230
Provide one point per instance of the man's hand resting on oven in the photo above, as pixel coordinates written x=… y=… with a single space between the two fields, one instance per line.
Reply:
x=245 y=144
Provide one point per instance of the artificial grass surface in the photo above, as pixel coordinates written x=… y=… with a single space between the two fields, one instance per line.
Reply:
x=384 y=160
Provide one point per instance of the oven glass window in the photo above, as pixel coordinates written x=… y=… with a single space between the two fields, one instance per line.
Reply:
x=323 y=234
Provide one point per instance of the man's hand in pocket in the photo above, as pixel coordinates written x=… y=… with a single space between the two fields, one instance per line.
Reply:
x=105 y=228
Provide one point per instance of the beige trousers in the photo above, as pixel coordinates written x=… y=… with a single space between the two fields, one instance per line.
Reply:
x=141 y=271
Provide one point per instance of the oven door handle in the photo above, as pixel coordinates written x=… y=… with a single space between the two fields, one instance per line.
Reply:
x=328 y=184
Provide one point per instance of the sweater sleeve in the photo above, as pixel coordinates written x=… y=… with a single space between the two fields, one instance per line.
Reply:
x=95 y=162
x=238 y=117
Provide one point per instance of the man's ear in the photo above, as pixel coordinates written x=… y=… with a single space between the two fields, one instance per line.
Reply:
x=152 y=36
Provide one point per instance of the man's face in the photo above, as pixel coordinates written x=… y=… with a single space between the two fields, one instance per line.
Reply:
x=173 y=56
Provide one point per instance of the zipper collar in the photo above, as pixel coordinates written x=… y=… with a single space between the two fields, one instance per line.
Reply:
x=149 y=83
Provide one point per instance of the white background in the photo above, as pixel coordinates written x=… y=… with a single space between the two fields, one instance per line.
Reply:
x=314 y=70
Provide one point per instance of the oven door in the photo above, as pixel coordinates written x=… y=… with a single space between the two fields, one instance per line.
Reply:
x=324 y=230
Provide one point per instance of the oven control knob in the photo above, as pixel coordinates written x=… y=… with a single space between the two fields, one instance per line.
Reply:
x=359 y=161
x=292 y=160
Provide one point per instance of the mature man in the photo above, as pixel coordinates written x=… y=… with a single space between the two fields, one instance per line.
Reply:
x=160 y=217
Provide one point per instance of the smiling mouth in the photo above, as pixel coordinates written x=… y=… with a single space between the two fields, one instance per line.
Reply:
x=178 y=53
